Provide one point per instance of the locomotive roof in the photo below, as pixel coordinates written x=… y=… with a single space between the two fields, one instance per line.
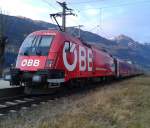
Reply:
x=45 y=32
x=76 y=39
x=55 y=32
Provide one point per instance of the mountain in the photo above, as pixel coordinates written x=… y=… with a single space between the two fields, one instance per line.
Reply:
x=125 y=40
x=124 y=47
x=131 y=50
x=17 y=28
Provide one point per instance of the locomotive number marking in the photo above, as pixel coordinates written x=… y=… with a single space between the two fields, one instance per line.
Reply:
x=30 y=62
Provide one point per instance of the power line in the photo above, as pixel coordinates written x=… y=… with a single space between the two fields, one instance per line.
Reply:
x=100 y=17
x=117 y=5
x=108 y=35
x=97 y=29
x=48 y=3
x=103 y=7
x=84 y=2
x=121 y=4
x=93 y=28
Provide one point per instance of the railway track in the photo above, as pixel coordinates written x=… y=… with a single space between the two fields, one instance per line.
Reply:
x=17 y=102
x=13 y=103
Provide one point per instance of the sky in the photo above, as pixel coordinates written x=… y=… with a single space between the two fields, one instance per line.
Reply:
x=108 y=18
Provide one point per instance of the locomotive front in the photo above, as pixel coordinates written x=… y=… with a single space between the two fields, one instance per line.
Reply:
x=36 y=61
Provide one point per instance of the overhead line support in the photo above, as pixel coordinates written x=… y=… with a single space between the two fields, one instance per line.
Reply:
x=65 y=11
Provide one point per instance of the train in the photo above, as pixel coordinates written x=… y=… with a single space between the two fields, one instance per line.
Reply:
x=51 y=58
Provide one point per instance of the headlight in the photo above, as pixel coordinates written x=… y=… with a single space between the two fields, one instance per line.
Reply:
x=7 y=77
x=36 y=78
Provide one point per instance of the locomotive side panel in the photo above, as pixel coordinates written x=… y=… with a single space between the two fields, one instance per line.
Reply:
x=76 y=61
x=103 y=64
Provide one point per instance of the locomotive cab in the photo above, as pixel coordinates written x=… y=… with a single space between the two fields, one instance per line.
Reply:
x=34 y=52
x=37 y=60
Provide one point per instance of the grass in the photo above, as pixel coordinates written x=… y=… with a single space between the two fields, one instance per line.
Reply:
x=125 y=104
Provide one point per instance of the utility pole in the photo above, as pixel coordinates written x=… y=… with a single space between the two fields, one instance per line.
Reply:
x=65 y=11
x=63 y=15
x=80 y=30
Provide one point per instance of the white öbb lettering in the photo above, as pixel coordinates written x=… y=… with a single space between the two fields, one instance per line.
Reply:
x=30 y=62
x=85 y=58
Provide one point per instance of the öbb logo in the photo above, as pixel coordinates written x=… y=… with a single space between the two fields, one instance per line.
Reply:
x=30 y=62
x=84 y=57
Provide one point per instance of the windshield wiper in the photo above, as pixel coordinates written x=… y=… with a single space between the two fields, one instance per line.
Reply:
x=38 y=52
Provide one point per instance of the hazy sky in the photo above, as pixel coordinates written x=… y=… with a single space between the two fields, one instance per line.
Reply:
x=108 y=18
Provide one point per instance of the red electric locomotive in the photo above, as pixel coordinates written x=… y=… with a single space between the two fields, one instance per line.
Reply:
x=51 y=58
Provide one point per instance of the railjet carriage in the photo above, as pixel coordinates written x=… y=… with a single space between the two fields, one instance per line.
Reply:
x=51 y=58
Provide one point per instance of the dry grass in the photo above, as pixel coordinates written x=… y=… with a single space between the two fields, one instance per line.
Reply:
x=124 y=104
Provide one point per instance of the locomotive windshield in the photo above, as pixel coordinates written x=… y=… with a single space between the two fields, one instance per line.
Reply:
x=36 y=45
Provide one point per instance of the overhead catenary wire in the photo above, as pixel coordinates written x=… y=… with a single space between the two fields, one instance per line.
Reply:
x=49 y=4
x=84 y=2
x=109 y=35
x=120 y=4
